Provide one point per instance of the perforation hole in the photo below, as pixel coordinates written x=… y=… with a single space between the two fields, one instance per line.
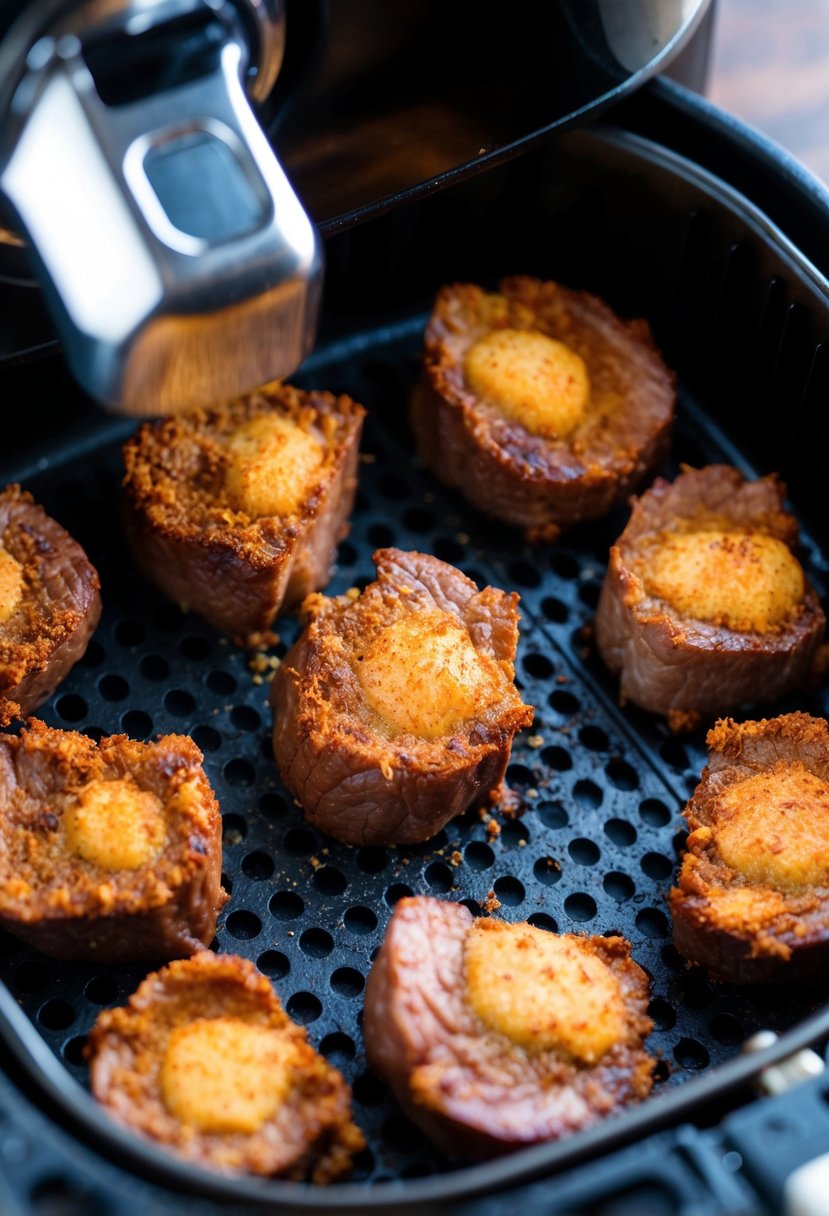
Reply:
x=304 y=1007
x=154 y=668
x=338 y=1049
x=548 y=871
x=439 y=877
x=243 y=925
x=359 y=920
x=330 y=881
x=137 y=724
x=552 y=815
x=691 y=1055
x=129 y=633
x=274 y=964
x=588 y=793
x=580 y=907
x=195 y=648
x=620 y=832
x=102 y=990
x=619 y=886
x=419 y=519
x=656 y=866
x=179 y=702
x=538 y=666
x=663 y=1014
x=564 y=565
x=272 y=806
x=478 y=856
x=524 y=574
x=448 y=549
x=347 y=982
x=56 y=1015
x=31 y=976
x=654 y=813
x=514 y=834
x=557 y=758
x=594 y=739
x=542 y=920
x=286 y=905
x=584 y=852
x=371 y=859
x=564 y=702
x=316 y=943
x=299 y=842
x=71 y=707
x=257 y=866
x=380 y=536
x=221 y=682
x=622 y=775
x=113 y=687
x=554 y=609
x=727 y=1029
x=652 y=923
x=234 y=828
x=396 y=892
x=206 y=739
x=510 y=890
x=245 y=717
x=239 y=772
x=73 y=1051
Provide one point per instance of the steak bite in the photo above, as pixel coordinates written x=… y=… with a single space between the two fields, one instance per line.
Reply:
x=752 y=900
x=396 y=709
x=236 y=512
x=493 y=1036
x=539 y=403
x=49 y=604
x=111 y=851
x=704 y=605
x=204 y=1060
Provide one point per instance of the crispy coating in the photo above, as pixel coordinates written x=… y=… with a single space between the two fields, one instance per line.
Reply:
x=392 y=756
x=766 y=624
x=752 y=900
x=60 y=885
x=299 y=1126
x=540 y=468
x=192 y=480
x=49 y=593
x=474 y=1090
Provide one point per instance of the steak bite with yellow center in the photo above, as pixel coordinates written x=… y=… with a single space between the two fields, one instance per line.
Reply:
x=752 y=900
x=396 y=709
x=111 y=851
x=236 y=512
x=49 y=604
x=204 y=1060
x=495 y=1036
x=705 y=605
x=539 y=403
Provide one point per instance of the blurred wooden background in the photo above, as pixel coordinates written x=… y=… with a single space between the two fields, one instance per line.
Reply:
x=771 y=67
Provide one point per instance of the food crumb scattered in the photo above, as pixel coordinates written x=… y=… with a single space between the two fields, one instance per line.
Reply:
x=493 y=829
x=492 y=902
x=367 y=458
x=455 y=858
x=535 y=741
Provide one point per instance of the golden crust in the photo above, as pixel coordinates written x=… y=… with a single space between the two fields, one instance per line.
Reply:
x=71 y=907
x=309 y=1134
x=539 y=483
x=45 y=635
x=354 y=776
x=768 y=920
x=188 y=533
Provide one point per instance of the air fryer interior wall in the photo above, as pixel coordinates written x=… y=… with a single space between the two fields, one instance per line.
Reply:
x=594 y=848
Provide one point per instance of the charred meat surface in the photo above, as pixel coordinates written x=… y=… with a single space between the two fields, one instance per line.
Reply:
x=704 y=605
x=49 y=604
x=752 y=901
x=111 y=850
x=539 y=403
x=204 y=1060
x=495 y=1036
x=236 y=512
x=396 y=709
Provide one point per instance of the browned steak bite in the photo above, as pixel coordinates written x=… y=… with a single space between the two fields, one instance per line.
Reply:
x=704 y=604
x=236 y=512
x=204 y=1061
x=752 y=900
x=109 y=851
x=495 y=1036
x=396 y=709
x=49 y=604
x=539 y=403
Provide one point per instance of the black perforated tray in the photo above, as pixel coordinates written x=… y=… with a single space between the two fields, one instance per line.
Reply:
x=594 y=846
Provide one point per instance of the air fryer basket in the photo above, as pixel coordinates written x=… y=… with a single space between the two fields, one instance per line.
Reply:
x=742 y=317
